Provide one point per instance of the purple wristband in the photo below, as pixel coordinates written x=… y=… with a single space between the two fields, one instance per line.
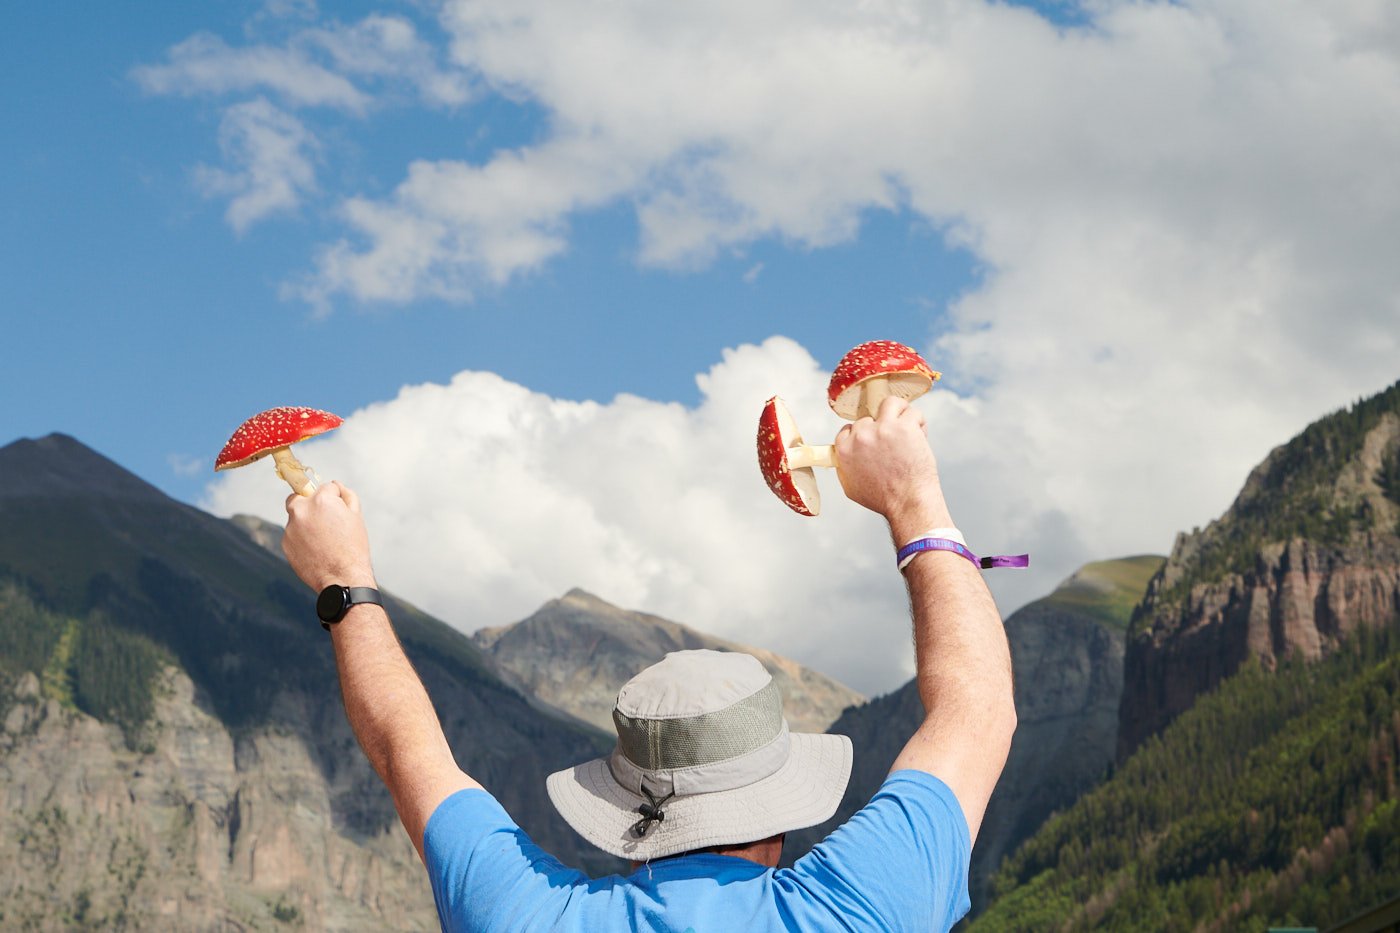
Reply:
x=945 y=544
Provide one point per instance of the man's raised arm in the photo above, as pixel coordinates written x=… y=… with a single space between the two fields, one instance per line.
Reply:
x=386 y=704
x=964 y=664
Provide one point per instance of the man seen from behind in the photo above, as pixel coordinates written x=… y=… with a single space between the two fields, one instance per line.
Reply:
x=706 y=778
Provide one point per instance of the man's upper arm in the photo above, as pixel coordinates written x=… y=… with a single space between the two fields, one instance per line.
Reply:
x=418 y=789
x=900 y=863
x=953 y=750
x=487 y=875
x=964 y=680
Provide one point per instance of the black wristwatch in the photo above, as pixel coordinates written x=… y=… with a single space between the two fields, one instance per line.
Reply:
x=336 y=600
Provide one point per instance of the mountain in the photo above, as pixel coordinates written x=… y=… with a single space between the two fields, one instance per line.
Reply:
x=1308 y=552
x=1256 y=783
x=1273 y=802
x=1067 y=654
x=575 y=652
x=174 y=752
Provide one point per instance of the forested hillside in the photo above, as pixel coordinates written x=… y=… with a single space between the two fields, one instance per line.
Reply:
x=98 y=668
x=1272 y=802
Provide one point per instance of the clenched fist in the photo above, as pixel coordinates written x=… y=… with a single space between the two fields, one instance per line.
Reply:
x=885 y=464
x=326 y=541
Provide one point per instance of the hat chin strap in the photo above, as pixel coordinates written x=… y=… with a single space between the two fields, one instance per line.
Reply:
x=651 y=813
x=728 y=774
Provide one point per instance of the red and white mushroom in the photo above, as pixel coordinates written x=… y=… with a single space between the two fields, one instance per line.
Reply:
x=273 y=432
x=786 y=462
x=871 y=372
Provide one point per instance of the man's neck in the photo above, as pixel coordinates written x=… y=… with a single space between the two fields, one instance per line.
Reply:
x=765 y=852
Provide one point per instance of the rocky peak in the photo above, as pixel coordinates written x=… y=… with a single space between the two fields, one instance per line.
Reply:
x=576 y=651
x=60 y=466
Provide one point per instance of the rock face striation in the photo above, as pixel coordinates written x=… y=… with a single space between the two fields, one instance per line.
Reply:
x=173 y=750
x=1067 y=653
x=575 y=652
x=198 y=829
x=1308 y=552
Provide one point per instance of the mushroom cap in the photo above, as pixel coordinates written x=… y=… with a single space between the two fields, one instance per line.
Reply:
x=266 y=431
x=776 y=433
x=909 y=376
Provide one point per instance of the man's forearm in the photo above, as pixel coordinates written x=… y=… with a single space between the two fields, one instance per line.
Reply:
x=393 y=717
x=326 y=543
x=959 y=640
x=964 y=666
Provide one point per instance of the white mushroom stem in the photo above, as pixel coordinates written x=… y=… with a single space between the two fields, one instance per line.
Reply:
x=802 y=456
x=873 y=392
x=300 y=478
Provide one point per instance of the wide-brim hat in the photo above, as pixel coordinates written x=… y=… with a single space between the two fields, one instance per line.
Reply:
x=703 y=758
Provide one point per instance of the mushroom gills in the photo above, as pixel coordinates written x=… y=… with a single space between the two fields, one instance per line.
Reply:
x=786 y=463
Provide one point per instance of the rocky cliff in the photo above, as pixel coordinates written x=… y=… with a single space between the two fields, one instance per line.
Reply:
x=1309 y=551
x=1067 y=653
x=199 y=828
x=575 y=652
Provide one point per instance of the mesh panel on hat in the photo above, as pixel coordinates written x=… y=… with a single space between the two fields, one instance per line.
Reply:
x=684 y=742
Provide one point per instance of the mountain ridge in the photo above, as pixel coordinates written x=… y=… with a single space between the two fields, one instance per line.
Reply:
x=576 y=651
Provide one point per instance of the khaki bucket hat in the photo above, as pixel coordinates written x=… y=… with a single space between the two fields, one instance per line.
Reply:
x=703 y=758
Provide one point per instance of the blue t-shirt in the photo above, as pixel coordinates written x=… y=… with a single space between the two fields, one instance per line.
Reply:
x=899 y=864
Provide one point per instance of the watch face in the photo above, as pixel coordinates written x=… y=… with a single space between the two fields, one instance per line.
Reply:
x=332 y=603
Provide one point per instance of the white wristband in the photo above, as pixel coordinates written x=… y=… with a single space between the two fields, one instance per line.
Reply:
x=950 y=534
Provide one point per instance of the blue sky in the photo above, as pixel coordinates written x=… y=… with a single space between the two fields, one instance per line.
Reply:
x=561 y=253
x=151 y=329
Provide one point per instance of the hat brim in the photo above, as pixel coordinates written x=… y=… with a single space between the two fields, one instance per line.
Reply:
x=804 y=791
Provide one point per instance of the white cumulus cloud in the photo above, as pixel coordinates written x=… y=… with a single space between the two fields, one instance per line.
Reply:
x=485 y=499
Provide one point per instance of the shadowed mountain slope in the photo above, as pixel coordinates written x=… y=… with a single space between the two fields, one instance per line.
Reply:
x=1067 y=653
x=148 y=647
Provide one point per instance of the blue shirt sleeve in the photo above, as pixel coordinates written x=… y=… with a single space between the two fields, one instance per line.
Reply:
x=900 y=863
x=486 y=873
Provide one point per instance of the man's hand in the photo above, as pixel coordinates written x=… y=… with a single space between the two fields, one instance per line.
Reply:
x=885 y=464
x=326 y=541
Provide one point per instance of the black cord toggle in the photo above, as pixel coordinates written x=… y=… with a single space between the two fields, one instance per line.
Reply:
x=651 y=813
